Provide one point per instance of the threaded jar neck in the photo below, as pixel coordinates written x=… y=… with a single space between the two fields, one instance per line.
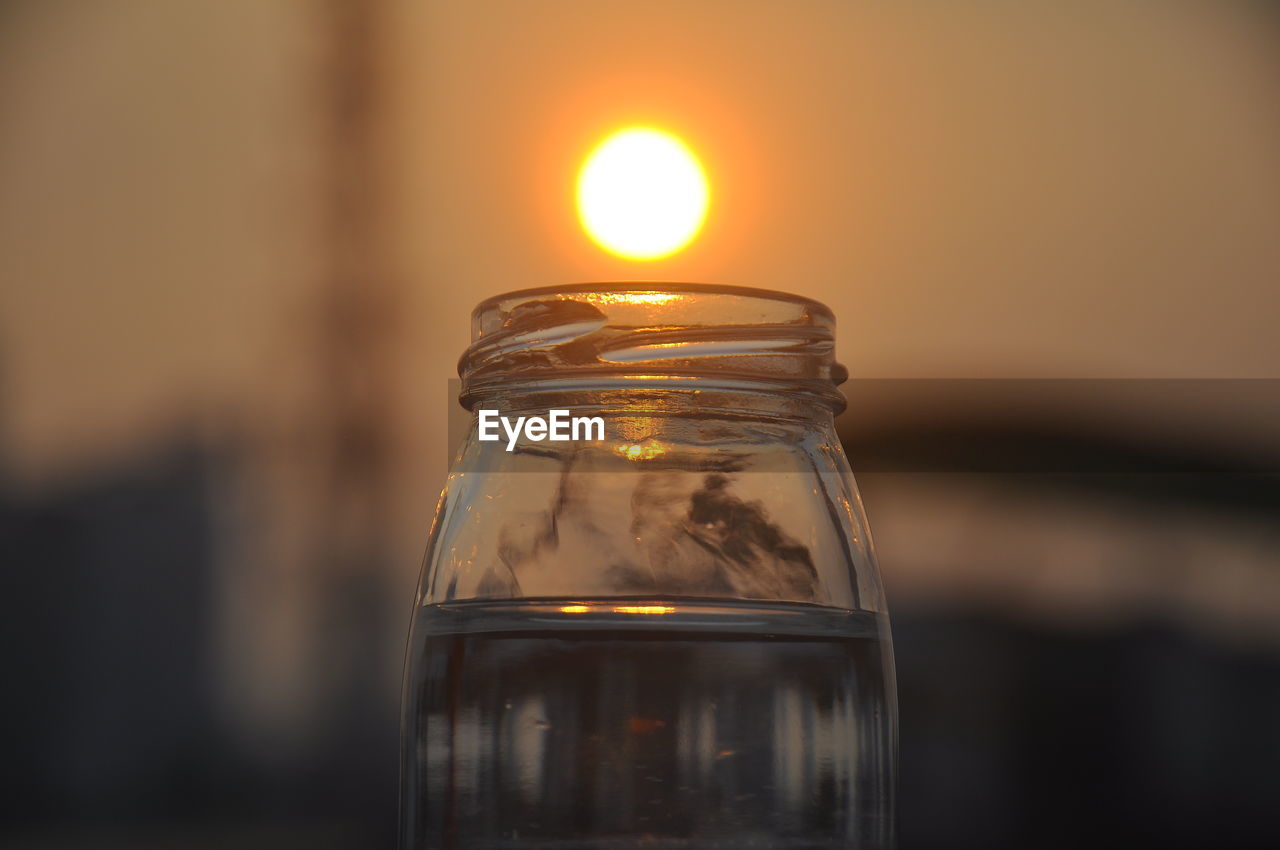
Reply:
x=639 y=337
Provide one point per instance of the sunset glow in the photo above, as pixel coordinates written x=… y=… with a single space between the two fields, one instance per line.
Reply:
x=642 y=194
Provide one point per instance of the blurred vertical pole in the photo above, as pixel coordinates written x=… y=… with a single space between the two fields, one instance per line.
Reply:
x=355 y=661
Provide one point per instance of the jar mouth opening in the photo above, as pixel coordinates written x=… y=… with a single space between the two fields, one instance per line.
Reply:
x=720 y=334
x=659 y=290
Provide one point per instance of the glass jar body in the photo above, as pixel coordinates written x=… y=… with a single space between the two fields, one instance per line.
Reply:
x=671 y=637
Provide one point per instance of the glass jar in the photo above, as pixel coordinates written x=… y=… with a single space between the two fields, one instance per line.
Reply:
x=667 y=635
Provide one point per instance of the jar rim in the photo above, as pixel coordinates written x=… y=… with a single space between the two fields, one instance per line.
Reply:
x=650 y=330
x=626 y=287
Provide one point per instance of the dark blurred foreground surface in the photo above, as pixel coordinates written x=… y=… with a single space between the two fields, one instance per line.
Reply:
x=1140 y=709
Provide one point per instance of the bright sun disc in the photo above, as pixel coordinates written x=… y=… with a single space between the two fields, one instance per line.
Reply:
x=642 y=194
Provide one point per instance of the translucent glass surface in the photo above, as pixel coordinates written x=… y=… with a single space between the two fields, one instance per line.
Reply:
x=671 y=637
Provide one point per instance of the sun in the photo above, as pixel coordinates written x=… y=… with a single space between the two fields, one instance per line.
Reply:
x=642 y=194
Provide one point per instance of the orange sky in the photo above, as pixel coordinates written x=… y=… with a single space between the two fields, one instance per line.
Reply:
x=1087 y=189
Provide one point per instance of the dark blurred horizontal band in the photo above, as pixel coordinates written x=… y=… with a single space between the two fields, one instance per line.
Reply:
x=1063 y=426
x=1075 y=426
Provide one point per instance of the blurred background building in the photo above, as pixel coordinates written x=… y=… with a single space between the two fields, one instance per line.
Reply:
x=239 y=243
